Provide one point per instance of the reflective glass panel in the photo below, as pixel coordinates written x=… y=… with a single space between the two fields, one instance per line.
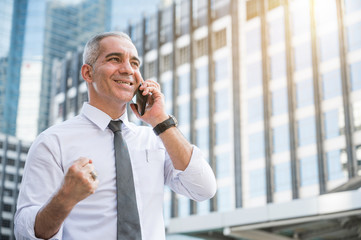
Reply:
x=306 y=131
x=255 y=109
x=308 y=171
x=279 y=102
x=222 y=132
x=331 y=82
x=257 y=183
x=278 y=65
x=355 y=72
x=254 y=74
x=256 y=145
x=303 y=56
x=304 y=93
x=222 y=100
x=221 y=69
x=253 y=39
x=202 y=107
x=332 y=128
x=281 y=139
x=202 y=76
x=282 y=177
x=334 y=165
x=354 y=36
x=329 y=47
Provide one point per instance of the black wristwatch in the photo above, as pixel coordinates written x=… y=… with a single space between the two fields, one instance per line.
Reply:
x=161 y=127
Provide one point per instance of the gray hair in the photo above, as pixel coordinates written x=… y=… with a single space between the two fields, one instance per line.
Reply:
x=91 y=49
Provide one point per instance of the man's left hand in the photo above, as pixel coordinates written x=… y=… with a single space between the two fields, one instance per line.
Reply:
x=155 y=108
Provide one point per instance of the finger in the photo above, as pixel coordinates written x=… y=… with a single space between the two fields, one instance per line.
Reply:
x=134 y=109
x=82 y=161
x=138 y=77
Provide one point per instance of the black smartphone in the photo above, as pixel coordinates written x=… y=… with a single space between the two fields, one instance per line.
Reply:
x=141 y=101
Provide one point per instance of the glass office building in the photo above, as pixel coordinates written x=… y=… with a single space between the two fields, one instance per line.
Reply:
x=12 y=17
x=12 y=160
x=270 y=90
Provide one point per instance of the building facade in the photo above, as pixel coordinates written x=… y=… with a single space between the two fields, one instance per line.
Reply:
x=12 y=160
x=270 y=90
x=12 y=16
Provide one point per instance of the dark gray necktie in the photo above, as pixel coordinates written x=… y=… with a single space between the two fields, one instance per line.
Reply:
x=128 y=226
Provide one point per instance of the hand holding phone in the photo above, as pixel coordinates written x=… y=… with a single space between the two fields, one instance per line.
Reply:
x=141 y=101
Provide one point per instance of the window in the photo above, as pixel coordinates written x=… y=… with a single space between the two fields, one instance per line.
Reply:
x=255 y=109
x=184 y=114
x=221 y=69
x=203 y=138
x=332 y=128
x=334 y=165
x=279 y=102
x=309 y=171
x=304 y=93
x=257 y=183
x=166 y=62
x=254 y=75
x=201 y=47
x=281 y=139
x=282 y=177
x=256 y=145
x=354 y=36
x=352 y=5
x=150 y=69
x=355 y=72
x=202 y=76
x=329 y=47
x=224 y=195
x=276 y=31
x=222 y=100
x=278 y=65
x=183 y=55
x=183 y=206
x=357 y=115
x=220 y=39
x=253 y=41
x=306 y=131
x=252 y=9
x=202 y=107
x=167 y=89
x=300 y=17
x=203 y=207
x=331 y=84
x=184 y=82
x=303 y=58
x=223 y=165
x=222 y=132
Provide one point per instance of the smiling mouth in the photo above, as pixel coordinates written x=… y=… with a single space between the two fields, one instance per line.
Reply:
x=122 y=82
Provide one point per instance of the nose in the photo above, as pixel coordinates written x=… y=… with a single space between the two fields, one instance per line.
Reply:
x=126 y=68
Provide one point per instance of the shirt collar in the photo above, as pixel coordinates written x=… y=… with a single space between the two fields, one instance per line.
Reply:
x=101 y=119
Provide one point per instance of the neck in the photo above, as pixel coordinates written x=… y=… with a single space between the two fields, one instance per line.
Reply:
x=113 y=111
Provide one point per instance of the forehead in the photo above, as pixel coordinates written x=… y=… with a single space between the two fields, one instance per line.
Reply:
x=114 y=44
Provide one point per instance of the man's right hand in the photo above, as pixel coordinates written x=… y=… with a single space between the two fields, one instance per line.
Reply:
x=78 y=184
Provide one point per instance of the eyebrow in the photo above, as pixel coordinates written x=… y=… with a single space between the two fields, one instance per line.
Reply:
x=121 y=55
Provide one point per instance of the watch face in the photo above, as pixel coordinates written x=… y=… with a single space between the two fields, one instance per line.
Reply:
x=174 y=119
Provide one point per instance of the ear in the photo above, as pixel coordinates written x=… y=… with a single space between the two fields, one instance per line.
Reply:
x=87 y=73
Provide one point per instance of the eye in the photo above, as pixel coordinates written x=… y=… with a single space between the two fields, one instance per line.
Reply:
x=135 y=64
x=114 y=59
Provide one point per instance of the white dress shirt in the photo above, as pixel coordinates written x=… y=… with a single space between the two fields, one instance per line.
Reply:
x=88 y=135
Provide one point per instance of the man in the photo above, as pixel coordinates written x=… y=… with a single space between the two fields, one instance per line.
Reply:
x=69 y=184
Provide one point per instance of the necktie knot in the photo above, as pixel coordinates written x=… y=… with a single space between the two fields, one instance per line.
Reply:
x=115 y=126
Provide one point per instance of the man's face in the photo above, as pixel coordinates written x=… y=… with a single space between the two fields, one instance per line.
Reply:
x=113 y=80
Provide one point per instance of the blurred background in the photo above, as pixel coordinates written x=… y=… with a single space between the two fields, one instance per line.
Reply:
x=270 y=90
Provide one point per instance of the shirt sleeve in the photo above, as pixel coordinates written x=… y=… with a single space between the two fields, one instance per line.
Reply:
x=42 y=176
x=197 y=181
